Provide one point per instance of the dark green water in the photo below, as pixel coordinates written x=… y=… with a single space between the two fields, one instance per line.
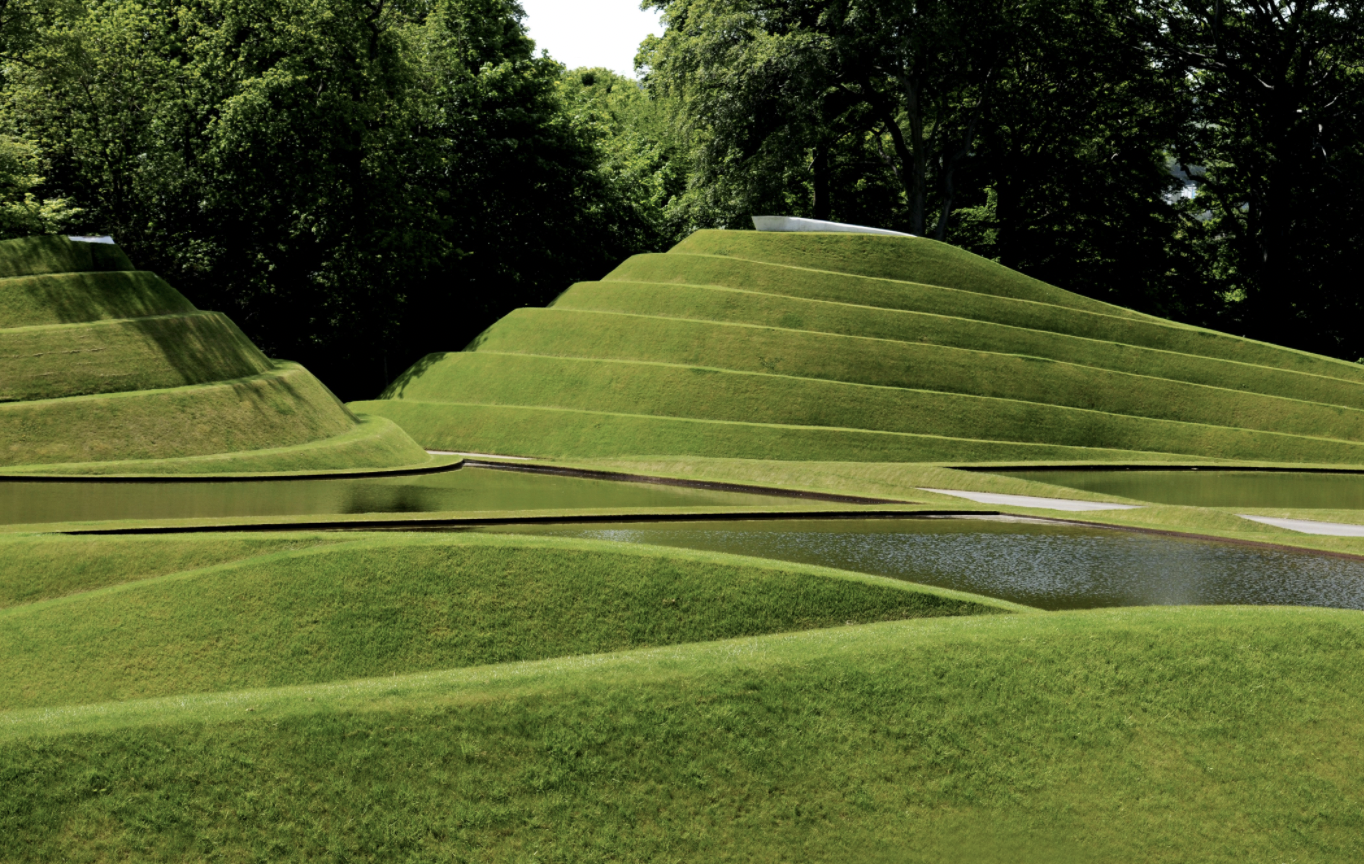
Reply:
x=1046 y=566
x=465 y=489
x=1215 y=488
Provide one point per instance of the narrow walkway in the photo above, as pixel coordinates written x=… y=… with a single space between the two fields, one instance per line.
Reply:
x=1031 y=501
x=1310 y=526
x=481 y=455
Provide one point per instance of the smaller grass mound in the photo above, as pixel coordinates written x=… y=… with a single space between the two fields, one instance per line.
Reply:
x=905 y=259
x=74 y=298
x=411 y=604
x=45 y=566
x=120 y=356
x=373 y=443
x=29 y=256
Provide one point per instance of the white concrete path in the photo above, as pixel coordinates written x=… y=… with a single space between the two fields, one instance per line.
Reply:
x=1311 y=526
x=481 y=455
x=1031 y=501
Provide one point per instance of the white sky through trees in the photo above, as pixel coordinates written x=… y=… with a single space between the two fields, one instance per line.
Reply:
x=590 y=32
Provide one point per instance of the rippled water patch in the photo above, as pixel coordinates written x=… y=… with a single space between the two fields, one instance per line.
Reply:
x=1041 y=565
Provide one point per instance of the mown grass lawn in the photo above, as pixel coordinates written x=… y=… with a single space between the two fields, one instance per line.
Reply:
x=1149 y=734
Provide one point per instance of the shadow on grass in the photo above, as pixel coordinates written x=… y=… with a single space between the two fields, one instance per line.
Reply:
x=415 y=371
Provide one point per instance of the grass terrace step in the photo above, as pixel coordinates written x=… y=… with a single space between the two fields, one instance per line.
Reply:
x=31 y=256
x=117 y=356
x=283 y=407
x=568 y=433
x=73 y=298
x=691 y=392
x=801 y=354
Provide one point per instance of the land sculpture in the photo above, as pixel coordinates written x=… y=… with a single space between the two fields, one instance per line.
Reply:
x=108 y=369
x=856 y=347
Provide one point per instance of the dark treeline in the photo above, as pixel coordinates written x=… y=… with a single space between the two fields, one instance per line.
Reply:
x=360 y=182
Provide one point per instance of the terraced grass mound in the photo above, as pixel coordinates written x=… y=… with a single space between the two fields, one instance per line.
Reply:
x=1165 y=735
x=387 y=606
x=847 y=347
x=102 y=365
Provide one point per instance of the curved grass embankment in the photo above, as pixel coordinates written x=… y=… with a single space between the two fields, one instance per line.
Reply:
x=1333 y=381
x=573 y=434
x=658 y=390
x=75 y=298
x=286 y=406
x=876 y=362
x=819 y=360
x=372 y=443
x=103 y=364
x=117 y=356
x=1165 y=735
x=417 y=603
x=32 y=256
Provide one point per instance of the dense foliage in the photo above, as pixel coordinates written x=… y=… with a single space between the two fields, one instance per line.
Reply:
x=1197 y=159
x=355 y=182
x=360 y=182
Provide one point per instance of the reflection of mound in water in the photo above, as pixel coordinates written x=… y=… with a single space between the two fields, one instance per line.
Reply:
x=383 y=498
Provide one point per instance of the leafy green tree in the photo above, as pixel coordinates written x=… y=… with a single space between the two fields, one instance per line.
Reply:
x=358 y=182
x=900 y=84
x=1273 y=148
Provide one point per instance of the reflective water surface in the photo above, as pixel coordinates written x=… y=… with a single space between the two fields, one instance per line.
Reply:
x=1215 y=488
x=467 y=489
x=1047 y=566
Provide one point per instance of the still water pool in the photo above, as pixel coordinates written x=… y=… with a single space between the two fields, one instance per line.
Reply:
x=1215 y=488
x=1041 y=565
x=463 y=489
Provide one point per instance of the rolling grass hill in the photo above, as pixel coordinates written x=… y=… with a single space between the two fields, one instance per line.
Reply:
x=1152 y=734
x=102 y=365
x=847 y=347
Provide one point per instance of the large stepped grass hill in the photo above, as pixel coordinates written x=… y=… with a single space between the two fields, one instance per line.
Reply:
x=107 y=368
x=868 y=348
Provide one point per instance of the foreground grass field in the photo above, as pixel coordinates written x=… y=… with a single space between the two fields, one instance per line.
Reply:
x=100 y=363
x=847 y=347
x=1152 y=735
x=402 y=604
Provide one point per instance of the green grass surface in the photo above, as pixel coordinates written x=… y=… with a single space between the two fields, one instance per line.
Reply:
x=567 y=433
x=931 y=367
x=689 y=309
x=415 y=603
x=28 y=256
x=73 y=298
x=816 y=347
x=1137 y=735
x=919 y=259
x=372 y=443
x=104 y=369
x=660 y=390
x=43 y=567
x=283 y=407
x=118 y=356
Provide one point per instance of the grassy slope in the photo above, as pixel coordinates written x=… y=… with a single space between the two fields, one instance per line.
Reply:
x=42 y=567
x=565 y=433
x=920 y=260
x=70 y=298
x=898 y=364
x=29 y=256
x=678 y=391
x=1216 y=735
x=415 y=603
x=284 y=407
x=804 y=287
x=699 y=304
x=371 y=443
x=117 y=356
